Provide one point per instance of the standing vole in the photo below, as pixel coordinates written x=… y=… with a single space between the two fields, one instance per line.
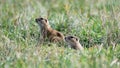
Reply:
x=47 y=32
x=73 y=42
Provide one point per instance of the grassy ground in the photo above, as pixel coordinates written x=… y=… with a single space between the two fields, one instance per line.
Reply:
x=95 y=22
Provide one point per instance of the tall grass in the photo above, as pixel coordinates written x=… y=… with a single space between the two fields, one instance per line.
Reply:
x=95 y=22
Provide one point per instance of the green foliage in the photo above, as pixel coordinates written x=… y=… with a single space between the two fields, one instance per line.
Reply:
x=95 y=22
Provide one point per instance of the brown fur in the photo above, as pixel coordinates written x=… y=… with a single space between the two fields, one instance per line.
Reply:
x=47 y=32
x=73 y=42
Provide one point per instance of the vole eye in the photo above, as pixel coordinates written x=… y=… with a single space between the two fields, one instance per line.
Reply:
x=71 y=37
x=41 y=18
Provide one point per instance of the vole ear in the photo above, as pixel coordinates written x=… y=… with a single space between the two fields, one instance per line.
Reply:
x=58 y=34
x=77 y=39
x=46 y=20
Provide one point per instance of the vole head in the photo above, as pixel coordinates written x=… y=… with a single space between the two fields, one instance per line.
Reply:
x=71 y=40
x=42 y=22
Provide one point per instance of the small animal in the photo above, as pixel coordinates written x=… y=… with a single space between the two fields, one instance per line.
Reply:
x=73 y=42
x=47 y=33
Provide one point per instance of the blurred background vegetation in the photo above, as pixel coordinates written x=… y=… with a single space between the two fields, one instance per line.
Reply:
x=95 y=22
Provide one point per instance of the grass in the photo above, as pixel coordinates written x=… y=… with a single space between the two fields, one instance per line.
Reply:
x=95 y=22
